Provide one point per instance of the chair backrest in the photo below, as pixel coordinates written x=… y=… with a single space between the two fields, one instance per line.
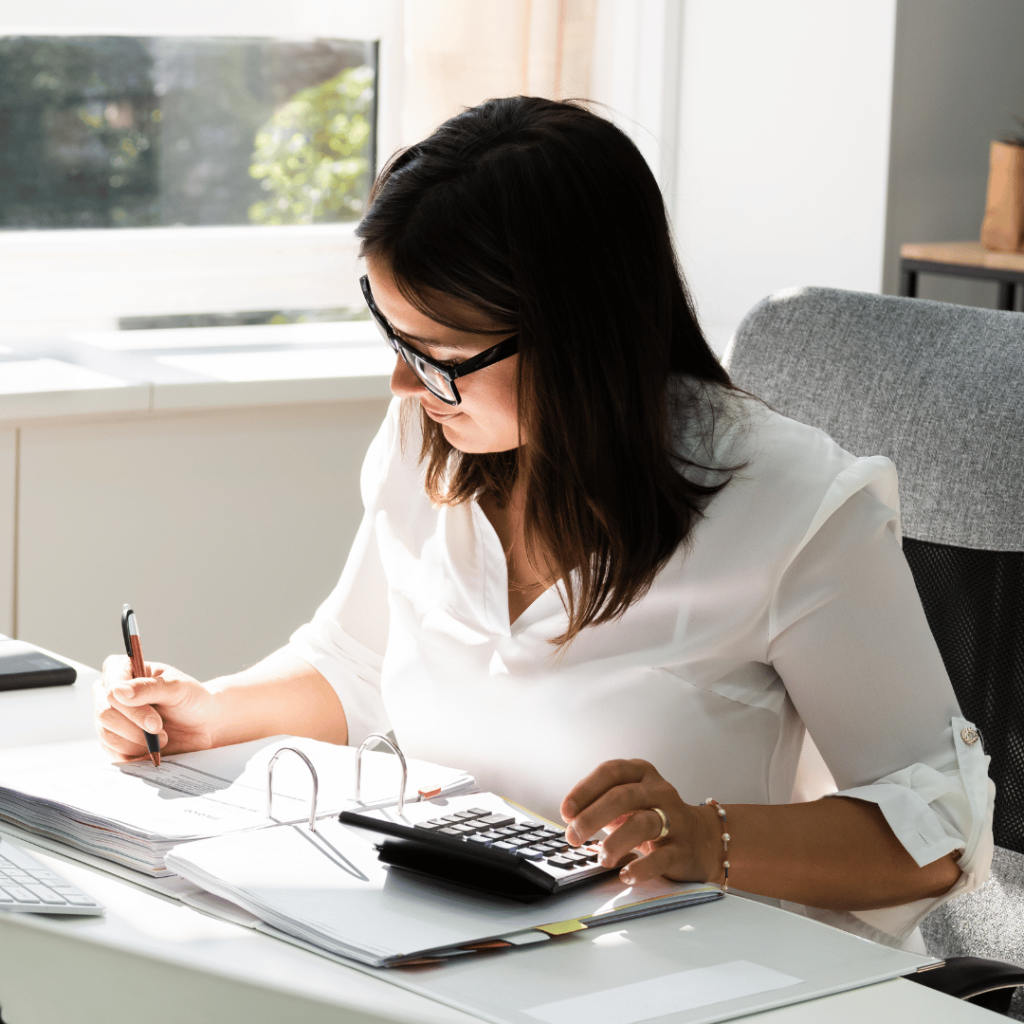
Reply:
x=939 y=389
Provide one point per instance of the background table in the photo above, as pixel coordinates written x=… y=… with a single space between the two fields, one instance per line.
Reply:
x=962 y=259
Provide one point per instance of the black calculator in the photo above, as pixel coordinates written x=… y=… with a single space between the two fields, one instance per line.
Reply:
x=480 y=842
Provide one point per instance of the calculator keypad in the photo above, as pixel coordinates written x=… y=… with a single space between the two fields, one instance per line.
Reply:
x=531 y=840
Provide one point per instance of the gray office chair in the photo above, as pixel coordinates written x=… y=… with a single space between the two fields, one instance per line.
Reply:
x=939 y=389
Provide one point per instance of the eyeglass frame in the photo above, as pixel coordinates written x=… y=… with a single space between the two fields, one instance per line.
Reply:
x=504 y=349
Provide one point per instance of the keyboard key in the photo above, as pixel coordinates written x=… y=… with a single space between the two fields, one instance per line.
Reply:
x=44 y=895
x=20 y=894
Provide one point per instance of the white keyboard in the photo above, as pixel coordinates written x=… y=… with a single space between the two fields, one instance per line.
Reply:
x=28 y=885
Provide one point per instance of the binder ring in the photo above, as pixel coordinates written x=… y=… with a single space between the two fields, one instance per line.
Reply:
x=270 y=784
x=359 y=765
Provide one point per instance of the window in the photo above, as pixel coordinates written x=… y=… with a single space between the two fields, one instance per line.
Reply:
x=169 y=168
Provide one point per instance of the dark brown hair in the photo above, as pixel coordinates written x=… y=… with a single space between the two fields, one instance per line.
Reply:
x=546 y=218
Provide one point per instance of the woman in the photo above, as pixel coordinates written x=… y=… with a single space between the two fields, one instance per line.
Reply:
x=597 y=576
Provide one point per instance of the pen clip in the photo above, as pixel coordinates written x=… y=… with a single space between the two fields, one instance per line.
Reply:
x=126 y=612
x=270 y=784
x=380 y=738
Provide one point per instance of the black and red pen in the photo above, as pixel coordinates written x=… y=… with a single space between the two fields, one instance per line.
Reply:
x=132 y=644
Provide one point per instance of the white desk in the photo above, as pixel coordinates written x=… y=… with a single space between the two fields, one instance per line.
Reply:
x=154 y=957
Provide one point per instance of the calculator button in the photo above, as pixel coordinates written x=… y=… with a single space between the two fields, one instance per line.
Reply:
x=460 y=830
x=477 y=812
x=451 y=819
x=533 y=837
x=465 y=815
x=491 y=837
x=480 y=839
x=497 y=820
x=560 y=862
x=431 y=826
x=529 y=853
x=550 y=847
x=504 y=845
x=518 y=830
x=448 y=831
x=575 y=857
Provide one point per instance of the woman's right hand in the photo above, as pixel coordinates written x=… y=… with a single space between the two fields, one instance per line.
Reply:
x=178 y=708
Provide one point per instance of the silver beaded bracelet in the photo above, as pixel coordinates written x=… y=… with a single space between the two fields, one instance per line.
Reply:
x=712 y=802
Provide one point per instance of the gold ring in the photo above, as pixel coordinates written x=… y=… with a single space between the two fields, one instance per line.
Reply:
x=664 y=823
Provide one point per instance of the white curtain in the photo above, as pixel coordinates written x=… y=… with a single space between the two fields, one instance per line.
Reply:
x=460 y=52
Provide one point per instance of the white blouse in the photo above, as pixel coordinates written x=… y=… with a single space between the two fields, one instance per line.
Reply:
x=790 y=611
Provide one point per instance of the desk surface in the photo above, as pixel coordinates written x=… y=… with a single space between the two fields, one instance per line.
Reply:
x=150 y=953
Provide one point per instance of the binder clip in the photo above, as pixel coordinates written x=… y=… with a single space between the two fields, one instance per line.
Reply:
x=316 y=784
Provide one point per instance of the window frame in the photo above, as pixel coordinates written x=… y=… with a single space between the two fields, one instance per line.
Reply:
x=58 y=281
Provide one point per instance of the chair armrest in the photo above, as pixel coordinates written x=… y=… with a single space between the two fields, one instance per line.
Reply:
x=989 y=983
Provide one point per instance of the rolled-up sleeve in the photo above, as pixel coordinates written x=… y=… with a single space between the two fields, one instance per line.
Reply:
x=346 y=638
x=849 y=638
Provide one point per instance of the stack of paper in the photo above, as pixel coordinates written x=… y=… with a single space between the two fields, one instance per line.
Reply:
x=327 y=889
x=134 y=814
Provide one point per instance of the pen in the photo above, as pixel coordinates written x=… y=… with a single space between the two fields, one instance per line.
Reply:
x=132 y=644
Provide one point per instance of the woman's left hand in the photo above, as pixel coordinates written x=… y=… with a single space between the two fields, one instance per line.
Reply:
x=620 y=796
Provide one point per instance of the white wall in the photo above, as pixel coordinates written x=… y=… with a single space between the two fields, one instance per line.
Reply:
x=783 y=149
x=224 y=528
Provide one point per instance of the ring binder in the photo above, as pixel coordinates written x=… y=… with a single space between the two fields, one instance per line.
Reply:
x=359 y=765
x=316 y=783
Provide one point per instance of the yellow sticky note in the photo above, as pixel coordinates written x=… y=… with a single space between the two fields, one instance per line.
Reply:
x=562 y=927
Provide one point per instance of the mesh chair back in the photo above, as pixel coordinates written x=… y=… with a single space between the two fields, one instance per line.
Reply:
x=939 y=389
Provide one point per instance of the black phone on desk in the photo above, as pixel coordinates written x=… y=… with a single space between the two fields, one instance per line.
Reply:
x=480 y=841
x=23 y=667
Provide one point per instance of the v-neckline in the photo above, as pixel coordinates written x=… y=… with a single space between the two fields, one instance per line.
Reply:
x=490 y=538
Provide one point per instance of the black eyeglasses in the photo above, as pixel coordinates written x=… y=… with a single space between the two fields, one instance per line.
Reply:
x=436 y=377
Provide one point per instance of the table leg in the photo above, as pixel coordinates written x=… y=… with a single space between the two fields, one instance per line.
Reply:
x=908 y=283
x=1006 y=290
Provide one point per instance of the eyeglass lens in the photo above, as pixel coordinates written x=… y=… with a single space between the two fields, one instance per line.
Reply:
x=431 y=379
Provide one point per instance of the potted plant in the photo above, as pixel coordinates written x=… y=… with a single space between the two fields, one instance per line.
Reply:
x=1003 y=226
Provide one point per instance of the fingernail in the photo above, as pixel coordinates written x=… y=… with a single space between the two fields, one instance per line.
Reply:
x=606 y=859
x=572 y=836
x=152 y=724
x=571 y=810
x=626 y=876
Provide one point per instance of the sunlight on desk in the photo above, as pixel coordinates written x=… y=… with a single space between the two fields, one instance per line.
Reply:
x=27 y=375
x=292 y=364
x=345 y=332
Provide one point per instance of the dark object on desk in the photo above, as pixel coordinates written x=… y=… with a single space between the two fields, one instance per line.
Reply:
x=23 y=667
x=497 y=853
x=962 y=259
x=937 y=388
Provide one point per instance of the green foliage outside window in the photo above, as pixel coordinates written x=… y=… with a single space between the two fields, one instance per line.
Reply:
x=313 y=155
